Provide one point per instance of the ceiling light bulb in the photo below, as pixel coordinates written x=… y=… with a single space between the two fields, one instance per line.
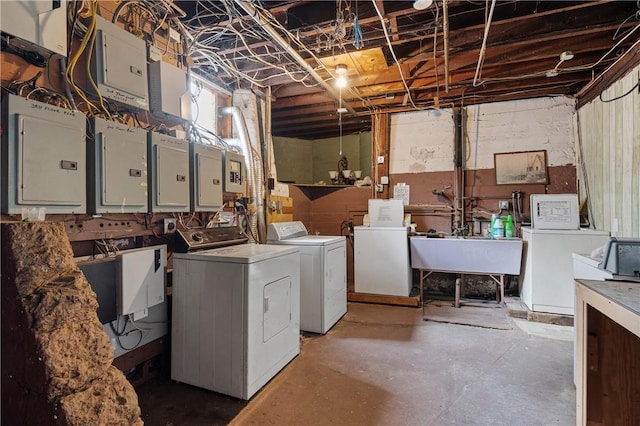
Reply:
x=422 y=4
x=341 y=81
x=565 y=56
x=552 y=73
x=341 y=69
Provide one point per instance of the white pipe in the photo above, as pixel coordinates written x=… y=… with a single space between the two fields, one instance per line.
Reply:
x=254 y=168
x=484 y=44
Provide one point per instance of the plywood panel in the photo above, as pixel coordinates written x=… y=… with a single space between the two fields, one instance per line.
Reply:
x=609 y=169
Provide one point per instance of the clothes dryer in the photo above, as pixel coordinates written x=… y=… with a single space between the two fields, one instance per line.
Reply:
x=236 y=316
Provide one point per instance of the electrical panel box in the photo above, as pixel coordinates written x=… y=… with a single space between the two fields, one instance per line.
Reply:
x=169 y=95
x=169 y=173
x=235 y=172
x=40 y=25
x=206 y=181
x=43 y=157
x=119 y=66
x=118 y=156
x=141 y=279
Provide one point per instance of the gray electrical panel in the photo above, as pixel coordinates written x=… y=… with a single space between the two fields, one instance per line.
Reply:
x=206 y=181
x=119 y=66
x=43 y=157
x=40 y=25
x=169 y=173
x=169 y=96
x=235 y=172
x=117 y=180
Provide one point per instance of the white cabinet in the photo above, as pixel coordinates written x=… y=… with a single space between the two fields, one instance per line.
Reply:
x=547 y=280
x=381 y=261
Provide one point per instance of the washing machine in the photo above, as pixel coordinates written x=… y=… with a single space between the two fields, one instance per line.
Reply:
x=323 y=274
x=236 y=312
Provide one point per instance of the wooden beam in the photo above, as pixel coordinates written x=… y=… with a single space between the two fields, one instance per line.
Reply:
x=412 y=302
x=628 y=61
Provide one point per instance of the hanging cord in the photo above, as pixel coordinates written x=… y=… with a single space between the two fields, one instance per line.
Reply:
x=358 y=43
x=621 y=96
x=340 y=119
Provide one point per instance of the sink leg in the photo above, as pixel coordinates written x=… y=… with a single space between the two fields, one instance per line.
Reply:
x=458 y=285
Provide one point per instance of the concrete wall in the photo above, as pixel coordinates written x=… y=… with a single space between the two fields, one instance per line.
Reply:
x=422 y=152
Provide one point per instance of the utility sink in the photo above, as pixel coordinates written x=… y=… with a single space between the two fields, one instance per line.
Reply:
x=479 y=255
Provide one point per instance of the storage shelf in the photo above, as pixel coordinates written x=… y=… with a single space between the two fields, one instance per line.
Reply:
x=313 y=191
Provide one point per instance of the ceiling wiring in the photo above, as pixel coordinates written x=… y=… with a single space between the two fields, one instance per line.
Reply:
x=483 y=48
x=386 y=34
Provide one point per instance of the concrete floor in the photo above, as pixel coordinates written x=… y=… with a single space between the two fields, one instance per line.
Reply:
x=384 y=365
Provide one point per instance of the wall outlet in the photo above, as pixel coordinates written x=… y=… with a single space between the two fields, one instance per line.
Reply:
x=380 y=159
x=503 y=205
x=378 y=187
x=168 y=226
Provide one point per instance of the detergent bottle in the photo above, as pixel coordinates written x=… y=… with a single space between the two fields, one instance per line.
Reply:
x=508 y=227
x=497 y=228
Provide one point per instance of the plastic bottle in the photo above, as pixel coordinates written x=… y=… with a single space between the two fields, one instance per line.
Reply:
x=498 y=228
x=493 y=222
x=508 y=227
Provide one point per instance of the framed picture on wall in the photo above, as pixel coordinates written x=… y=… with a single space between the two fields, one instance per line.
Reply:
x=518 y=168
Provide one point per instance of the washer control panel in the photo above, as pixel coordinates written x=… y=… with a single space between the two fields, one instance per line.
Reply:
x=206 y=238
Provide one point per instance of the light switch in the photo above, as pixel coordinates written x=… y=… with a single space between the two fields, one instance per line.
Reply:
x=384 y=180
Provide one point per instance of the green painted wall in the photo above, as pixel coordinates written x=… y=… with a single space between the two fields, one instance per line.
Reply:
x=292 y=157
x=304 y=161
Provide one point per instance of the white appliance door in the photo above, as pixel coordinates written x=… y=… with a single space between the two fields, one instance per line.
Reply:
x=335 y=284
x=381 y=261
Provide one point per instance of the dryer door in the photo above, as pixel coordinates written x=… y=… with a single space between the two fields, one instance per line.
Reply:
x=276 y=308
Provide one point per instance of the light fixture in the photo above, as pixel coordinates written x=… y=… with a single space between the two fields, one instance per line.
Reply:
x=341 y=72
x=565 y=56
x=422 y=4
x=341 y=69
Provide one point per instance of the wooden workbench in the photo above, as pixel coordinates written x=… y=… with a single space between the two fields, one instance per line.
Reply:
x=608 y=352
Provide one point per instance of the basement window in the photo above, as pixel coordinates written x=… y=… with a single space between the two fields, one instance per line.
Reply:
x=204 y=106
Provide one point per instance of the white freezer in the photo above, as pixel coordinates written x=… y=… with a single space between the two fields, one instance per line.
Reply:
x=381 y=261
x=547 y=281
